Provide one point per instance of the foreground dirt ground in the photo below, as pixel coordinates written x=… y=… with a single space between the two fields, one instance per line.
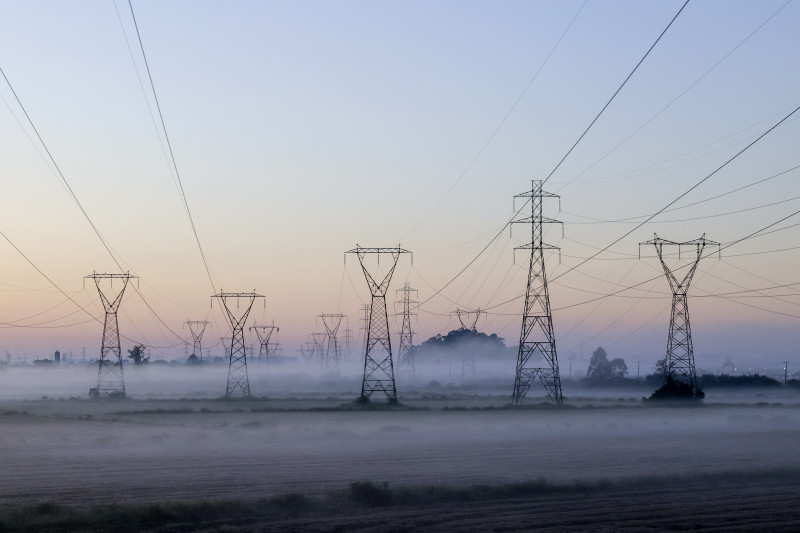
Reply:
x=718 y=467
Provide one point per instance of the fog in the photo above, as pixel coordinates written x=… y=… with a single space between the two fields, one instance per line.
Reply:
x=175 y=439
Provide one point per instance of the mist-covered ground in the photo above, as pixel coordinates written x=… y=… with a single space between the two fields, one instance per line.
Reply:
x=174 y=440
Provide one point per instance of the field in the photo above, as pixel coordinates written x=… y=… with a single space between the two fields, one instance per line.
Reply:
x=450 y=460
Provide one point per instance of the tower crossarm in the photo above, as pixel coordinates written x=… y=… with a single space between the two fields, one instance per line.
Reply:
x=378 y=288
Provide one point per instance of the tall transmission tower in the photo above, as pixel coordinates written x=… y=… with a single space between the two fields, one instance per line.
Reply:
x=378 y=366
x=319 y=352
x=238 y=381
x=347 y=351
x=332 y=323
x=465 y=317
x=405 y=356
x=110 y=379
x=197 y=328
x=468 y=323
x=264 y=333
x=537 y=356
x=679 y=361
x=364 y=319
x=307 y=350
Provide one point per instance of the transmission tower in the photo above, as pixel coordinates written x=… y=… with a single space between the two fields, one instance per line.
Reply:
x=197 y=328
x=332 y=322
x=348 y=343
x=110 y=379
x=405 y=357
x=364 y=319
x=468 y=324
x=318 y=344
x=307 y=350
x=237 y=366
x=679 y=361
x=465 y=317
x=537 y=356
x=264 y=333
x=378 y=366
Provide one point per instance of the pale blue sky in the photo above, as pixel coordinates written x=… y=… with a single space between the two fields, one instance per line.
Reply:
x=303 y=128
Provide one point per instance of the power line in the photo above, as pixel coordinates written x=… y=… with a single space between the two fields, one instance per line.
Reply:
x=690 y=189
x=72 y=194
x=499 y=125
x=171 y=152
x=634 y=218
x=690 y=87
x=615 y=93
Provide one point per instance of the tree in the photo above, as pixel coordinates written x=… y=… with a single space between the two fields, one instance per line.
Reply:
x=599 y=367
x=138 y=355
x=618 y=368
x=662 y=369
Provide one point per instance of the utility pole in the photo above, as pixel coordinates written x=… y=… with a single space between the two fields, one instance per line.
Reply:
x=264 y=333
x=332 y=323
x=679 y=361
x=197 y=328
x=537 y=356
x=378 y=366
x=110 y=379
x=238 y=381
x=785 y=371
x=405 y=357
x=637 y=369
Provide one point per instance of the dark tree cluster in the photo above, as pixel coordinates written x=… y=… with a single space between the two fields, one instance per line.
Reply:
x=460 y=342
x=602 y=370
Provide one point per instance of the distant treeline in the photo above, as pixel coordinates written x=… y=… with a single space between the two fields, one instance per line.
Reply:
x=704 y=381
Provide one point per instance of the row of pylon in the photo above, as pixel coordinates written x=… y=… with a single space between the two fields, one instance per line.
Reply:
x=536 y=359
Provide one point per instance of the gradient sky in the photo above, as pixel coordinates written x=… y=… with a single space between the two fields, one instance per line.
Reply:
x=301 y=129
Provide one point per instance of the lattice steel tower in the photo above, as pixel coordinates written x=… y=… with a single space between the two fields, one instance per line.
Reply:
x=264 y=333
x=238 y=382
x=537 y=356
x=679 y=361
x=364 y=319
x=197 y=328
x=332 y=322
x=405 y=357
x=378 y=365
x=110 y=378
x=468 y=356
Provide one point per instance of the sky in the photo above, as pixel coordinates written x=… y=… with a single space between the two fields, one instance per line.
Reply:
x=302 y=129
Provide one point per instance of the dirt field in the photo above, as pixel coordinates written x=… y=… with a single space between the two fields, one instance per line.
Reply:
x=738 y=461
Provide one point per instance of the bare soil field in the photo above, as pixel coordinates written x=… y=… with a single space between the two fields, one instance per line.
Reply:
x=451 y=461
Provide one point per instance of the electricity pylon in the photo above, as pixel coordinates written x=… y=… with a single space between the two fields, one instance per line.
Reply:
x=405 y=357
x=110 y=379
x=347 y=352
x=679 y=361
x=237 y=365
x=264 y=333
x=319 y=352
x=468 y=356
x=378 y=366
x=197 y=328
x=364 y=319
x=465 y=317
x=332 y=322
x=307 y=350
x=537 y=356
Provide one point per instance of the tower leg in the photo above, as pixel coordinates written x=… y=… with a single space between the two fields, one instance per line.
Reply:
x=378 y=365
